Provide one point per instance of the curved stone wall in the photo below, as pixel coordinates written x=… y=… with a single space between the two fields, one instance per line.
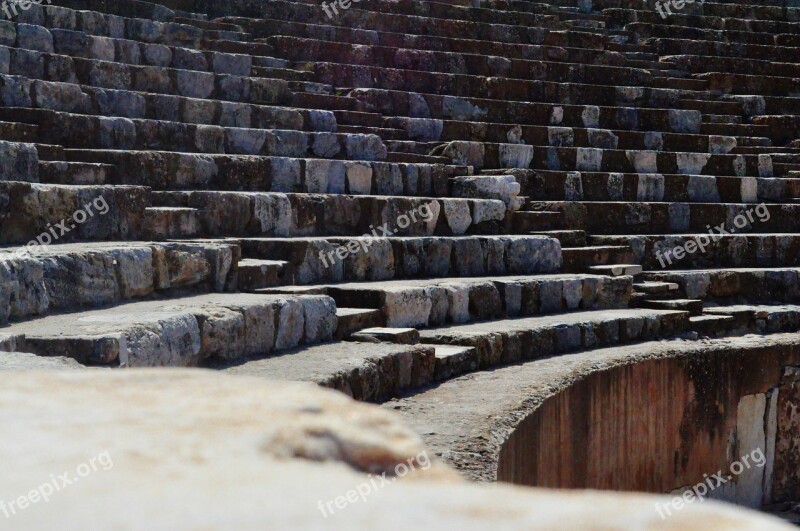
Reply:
x=665 y=424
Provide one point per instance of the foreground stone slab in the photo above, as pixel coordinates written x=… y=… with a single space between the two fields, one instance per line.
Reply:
x=23 y=361
x=243 y=451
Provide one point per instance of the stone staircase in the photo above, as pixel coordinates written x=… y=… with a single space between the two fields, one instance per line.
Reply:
x=398 y=195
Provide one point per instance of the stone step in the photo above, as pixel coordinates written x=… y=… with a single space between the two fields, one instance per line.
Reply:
x=620 y=115
x=616 y=270
x=164 y=223
x=18 y=132
x=255 y=214
x=309 y=100
x=712 y=325
x=40 y=280
x=386 y=133
x=153 y=79
x=520 y=340
x=80 y=173
x=352 y=320
x=655 y=288
x=402 y=336
x=392 y=19
x=693 y=306
x=645 y=218
x=528 y=222
x=413 y=158
x=607 y=186
x=767 y=284
x=371 y=372
x=182 y=332
x=702 y=250
x=257 y=274
x=567 y=238
x=164 y=170
x=587 y=89
x=453 y=361
x=20 y=94
x=430 y=130
x=286 y=21
x=722 y=118
x=435 y=302
x=347 y=55
x=579 y=259
x=760 y=318
x=106 y=212
x=625 y=161
x=331 y=259
x=85 y=132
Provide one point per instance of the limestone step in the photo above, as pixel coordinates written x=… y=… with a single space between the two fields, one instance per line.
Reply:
x=567 y=238
x=528 y=221
x=768 y=284
x=66 y=277
x=578 y=259
x=616 y=270
x=164 y=223
x=154 y=79
x=346 y=55
x=258 y=274
x=18 y=132
x=646 y=218
x=85 y=132
x=435 y=302
x=712 y=325
x=371 y=372
x=256 y=214
x=520 y=340
x=704 y=250
x=76 y=213
x=21 y=94
x=352 y=320
x=81 y=173
x=402 y=336
x=760 y=318
x=655 y=288
x=284 y=21
x=607 y=186
x=186 y=331
x=430 y=130
x=323 y=260
x=618 y=115
x=693 y=306
x=453 y=361
x=165 y=170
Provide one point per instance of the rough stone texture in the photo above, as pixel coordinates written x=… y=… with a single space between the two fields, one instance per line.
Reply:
x=245 y=452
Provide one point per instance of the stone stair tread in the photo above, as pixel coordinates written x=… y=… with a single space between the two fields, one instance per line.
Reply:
x=187 y=331
x=366 y=371
x=616 y=270
x=713 y=319
x=655 y=288
x=693 y=306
